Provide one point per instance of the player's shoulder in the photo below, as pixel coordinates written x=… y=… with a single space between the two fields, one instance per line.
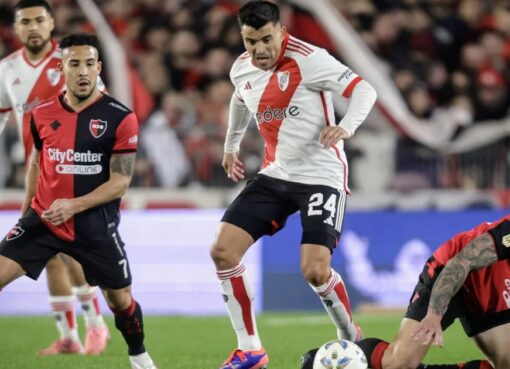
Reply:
x=300 y=49
x=11 y=58
x=49 y=107
x=242 y=62
x=115 y=106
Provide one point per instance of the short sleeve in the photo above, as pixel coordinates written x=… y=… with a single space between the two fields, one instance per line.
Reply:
x=126 y=135
x=322 y=72
x=35 y=134
x=5 y=104
x=501 y=236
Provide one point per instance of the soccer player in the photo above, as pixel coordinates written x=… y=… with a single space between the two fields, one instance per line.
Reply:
x=467 y=277
x=85 y=146
x=287 y=85
x=27 y=77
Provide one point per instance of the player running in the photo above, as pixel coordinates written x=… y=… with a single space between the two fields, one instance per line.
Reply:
x=27 y=77
x=288 y=86
x=85 y=147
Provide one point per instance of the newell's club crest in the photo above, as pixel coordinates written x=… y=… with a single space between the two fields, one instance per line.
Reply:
x=97 y=127
x=283 y=80
x=53 y=75
x=14 y=233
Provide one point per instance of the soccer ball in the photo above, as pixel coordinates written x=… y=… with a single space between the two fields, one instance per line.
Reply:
x=340 y=354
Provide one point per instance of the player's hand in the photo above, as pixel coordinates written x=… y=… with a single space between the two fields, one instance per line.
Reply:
x=429 y=330
x=331 y=135
x=60 y=211
x=233 y=166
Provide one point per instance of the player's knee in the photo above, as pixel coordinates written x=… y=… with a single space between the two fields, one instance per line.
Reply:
x=394 y=360
x=502 y=362
x=55 y=265
x=119 y=299
x=223 y=257
x=315 y=273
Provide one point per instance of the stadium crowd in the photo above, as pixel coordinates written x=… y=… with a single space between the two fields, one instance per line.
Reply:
x=442 y=54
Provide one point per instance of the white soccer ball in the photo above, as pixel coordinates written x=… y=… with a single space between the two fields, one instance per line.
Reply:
x=340 y=354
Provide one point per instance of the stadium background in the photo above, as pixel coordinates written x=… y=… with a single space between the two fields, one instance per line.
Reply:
x=431 y=160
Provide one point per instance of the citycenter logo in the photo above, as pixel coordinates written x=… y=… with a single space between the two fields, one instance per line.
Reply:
x=72 y=157
x=271 y=114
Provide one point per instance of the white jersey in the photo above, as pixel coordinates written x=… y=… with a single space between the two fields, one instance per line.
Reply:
x=24 y=85
x=292 y=104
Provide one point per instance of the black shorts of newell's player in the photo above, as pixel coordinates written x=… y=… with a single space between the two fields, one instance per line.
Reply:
x=263 y=206
x=31 y=244
x=473 y=323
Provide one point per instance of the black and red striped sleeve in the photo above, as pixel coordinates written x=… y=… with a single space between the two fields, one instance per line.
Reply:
x=126 y=135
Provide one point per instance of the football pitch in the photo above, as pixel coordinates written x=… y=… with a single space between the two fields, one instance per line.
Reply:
x=204 y=342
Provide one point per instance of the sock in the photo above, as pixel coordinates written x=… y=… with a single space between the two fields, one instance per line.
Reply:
x=238 y=296
x=374 y=349
x=65 y=317
x=130 y=323
x=89 y=305
x=475 y=364
x=335 y=300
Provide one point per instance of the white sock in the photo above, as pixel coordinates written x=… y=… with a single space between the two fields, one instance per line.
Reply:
x=63 y=311
x=141 y=361
x=89 y=305
x=238 y=295
x=335 y=300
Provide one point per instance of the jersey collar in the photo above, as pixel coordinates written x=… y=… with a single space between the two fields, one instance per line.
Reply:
x=282 y=50
x=67 y=107
x=48 y=54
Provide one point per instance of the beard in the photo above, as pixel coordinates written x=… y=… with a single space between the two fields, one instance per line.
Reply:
x=82 y=96
x=36 y=48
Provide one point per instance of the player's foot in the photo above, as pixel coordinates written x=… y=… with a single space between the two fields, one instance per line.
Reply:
x=246 y=360
x=62 y=346
x=96 y=340
x=142 y=361
x=359 y=334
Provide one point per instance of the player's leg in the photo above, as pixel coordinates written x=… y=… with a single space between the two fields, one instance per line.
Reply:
x=258 y=210
x=9 y=271
x=494 y=344
x=322 y=211
x=129 y=321
x=98 y=334
x=329 y=286
x=62 y=300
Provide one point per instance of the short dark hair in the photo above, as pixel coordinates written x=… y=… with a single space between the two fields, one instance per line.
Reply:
x=258 y=13
x=22 y=4
x=80 y=39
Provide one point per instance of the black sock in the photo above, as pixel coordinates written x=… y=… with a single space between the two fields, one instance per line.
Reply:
x=368 y=346
x=475 y=364
x=130 y=323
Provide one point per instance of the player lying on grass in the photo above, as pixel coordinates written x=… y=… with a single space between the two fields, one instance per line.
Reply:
x=467 y=277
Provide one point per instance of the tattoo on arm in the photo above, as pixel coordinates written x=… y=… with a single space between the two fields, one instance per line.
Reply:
x=479 y=253
x=123 y=164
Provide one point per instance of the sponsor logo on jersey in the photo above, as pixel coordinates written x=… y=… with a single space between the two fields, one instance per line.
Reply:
x=53 y=75
x=97 y=127
x=506 y=240
x=247 y=86
x=67 y=161
x=16 y=82
x=345 y=75
x=329 y=221
x=28 y=106
x=14 y=233
x=271 y=114
x=283 y=79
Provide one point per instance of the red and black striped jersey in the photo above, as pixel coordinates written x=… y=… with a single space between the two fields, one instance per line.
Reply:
x=75 y=152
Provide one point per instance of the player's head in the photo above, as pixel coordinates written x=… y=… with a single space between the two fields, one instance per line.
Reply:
x=262 y=32
x=80 y=64
x=33 y=24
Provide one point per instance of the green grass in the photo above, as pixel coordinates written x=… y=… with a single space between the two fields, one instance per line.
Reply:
x=203 y=343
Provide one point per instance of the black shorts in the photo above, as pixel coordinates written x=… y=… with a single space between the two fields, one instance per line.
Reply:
x=31 y=244
x=473 y=324
x=264 y=205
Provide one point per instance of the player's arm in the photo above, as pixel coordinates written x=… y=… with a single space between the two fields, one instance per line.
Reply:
x=31 y=179
x=479 y=253
x=121 y=171
x=238 y=119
